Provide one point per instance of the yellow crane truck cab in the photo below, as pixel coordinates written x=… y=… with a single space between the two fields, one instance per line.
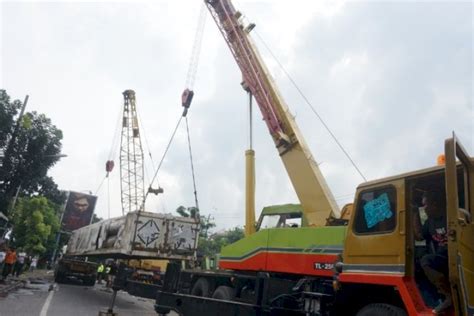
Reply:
x=382 y=253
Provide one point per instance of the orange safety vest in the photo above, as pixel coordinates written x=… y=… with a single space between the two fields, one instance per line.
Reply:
x=10 y=258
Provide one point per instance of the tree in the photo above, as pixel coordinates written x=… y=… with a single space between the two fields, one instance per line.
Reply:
x=213 y=245
x=210 y=246
x=205 y=222
x=35 y=224
x=8 y=110
x=28 y=156
x=96 y=219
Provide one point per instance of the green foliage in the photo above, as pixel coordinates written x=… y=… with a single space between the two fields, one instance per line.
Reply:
x=8 y=110
x=28 y=155
x=213 y=245
x=207 y=223
x=96 y=219
x=35 y=224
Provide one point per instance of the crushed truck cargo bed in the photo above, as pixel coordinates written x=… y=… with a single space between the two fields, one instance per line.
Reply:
x=137 y=235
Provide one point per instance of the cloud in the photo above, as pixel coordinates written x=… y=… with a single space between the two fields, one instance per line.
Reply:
x=392 y=80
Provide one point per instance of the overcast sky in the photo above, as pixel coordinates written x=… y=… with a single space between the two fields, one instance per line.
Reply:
x=391 y=79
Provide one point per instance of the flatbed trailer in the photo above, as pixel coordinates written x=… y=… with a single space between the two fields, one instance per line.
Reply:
x=227 y=292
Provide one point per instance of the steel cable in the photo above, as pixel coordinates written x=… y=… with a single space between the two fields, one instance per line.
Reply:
x=162 y=159
x=311 y=107
x=192 y=168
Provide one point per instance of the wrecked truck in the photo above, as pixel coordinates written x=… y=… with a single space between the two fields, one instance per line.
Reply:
x=137 y=235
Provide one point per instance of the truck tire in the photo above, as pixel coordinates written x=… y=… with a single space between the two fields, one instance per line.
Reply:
x=224 y=293
x=59 y=277
x=380 y=309
x=88 y=281
x=201 y=288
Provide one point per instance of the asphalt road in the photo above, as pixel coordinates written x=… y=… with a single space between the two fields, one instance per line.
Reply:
x=70 y=300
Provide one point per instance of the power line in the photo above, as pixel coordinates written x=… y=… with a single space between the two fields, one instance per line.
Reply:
x=312 y=107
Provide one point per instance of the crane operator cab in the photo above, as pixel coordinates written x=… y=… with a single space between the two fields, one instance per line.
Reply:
x=291 y=215
x=279 y=216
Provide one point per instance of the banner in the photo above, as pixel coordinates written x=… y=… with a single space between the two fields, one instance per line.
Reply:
x=78 y=211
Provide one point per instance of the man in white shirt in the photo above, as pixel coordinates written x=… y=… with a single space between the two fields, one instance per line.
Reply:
x=34 y=263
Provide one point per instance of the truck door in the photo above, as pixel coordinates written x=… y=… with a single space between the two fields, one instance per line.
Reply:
x=376 y=242
x=460 y=210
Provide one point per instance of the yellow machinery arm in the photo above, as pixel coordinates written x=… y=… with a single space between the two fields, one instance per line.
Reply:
x=313 y=192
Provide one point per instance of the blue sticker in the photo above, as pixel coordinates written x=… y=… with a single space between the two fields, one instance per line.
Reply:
x=377 y=210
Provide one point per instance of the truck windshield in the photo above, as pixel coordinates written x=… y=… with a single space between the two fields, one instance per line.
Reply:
x=280 y=220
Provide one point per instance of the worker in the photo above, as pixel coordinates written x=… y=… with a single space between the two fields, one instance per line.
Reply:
x=20 y=263
x=110 y=273
x=434 y=231
x=10 y=259
x=107 y=275
x=100 y=272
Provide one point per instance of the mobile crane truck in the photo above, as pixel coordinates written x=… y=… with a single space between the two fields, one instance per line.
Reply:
x=366 y=265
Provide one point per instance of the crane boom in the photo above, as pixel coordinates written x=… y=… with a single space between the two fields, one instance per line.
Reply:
x=311 y=188
x=131 y=157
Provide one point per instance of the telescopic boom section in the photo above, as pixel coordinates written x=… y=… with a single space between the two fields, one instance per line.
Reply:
x=313 y=192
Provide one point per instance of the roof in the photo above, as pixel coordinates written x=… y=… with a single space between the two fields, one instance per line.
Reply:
x=401 y=176
x=282 y=209
x=408 y=174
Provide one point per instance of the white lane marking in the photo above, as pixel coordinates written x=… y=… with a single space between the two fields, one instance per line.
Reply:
x=44 y=310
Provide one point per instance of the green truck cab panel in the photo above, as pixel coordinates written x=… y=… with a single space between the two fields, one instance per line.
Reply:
x=294 y=240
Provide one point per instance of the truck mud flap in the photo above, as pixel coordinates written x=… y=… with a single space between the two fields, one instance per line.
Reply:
x=189 y=305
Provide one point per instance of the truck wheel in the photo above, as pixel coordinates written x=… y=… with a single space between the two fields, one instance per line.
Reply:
x=201 y=288
x=88 y=282
x=380 y=309
x=59 y=278
x=224 y=293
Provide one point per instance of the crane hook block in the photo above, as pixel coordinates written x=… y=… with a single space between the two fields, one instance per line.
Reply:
x=186 y=99
x=155 y=191
x=109 y=166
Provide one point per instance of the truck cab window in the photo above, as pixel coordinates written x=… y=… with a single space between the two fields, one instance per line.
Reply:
x=376 y=211
x=280 y=220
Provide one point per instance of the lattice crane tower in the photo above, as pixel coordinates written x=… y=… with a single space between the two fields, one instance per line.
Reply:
x=131 y=158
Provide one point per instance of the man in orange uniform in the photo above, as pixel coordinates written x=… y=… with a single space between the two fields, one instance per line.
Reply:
x=10 y=259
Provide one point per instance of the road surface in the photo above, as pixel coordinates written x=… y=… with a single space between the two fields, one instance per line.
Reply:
x=44 y=298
